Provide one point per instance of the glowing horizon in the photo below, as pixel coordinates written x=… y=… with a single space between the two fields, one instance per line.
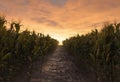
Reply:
x=61 y=19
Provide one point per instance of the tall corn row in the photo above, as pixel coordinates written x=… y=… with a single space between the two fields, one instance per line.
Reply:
x=102 y=49
x=20 y=49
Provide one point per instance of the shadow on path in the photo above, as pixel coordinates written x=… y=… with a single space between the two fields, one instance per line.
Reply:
x=57 y=68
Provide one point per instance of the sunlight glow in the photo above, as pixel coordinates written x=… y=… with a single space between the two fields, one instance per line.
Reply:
x=59 y=38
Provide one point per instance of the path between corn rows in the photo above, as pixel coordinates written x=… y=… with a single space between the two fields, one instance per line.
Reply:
x=57 y=68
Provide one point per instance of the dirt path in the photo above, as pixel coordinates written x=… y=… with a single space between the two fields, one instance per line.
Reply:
x=58 y=68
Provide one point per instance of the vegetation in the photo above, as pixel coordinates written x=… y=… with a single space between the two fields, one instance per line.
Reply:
x=18 y=49
x=100 y=51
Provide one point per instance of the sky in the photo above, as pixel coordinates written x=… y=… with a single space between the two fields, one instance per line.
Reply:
x=61 y=19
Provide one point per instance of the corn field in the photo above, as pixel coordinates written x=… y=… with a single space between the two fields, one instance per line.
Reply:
x=18 y=49
x=101 y=51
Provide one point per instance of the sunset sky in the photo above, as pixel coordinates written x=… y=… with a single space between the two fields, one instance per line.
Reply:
x=61 y=18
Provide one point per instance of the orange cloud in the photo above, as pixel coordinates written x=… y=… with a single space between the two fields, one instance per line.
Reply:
x=61 y=18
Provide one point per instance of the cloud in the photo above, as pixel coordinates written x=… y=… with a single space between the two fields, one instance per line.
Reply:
x=48 y=22
x=62 y=17
x=59 y=3
x=25 y=2
x=2 y=7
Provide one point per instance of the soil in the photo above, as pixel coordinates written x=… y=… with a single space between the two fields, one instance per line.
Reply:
x=58 y=67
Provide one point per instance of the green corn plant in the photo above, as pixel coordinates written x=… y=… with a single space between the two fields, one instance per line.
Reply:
x=103 y=48
x=19 y=49
x=15 y=26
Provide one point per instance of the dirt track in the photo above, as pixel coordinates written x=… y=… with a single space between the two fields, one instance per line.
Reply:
x=57 y=68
